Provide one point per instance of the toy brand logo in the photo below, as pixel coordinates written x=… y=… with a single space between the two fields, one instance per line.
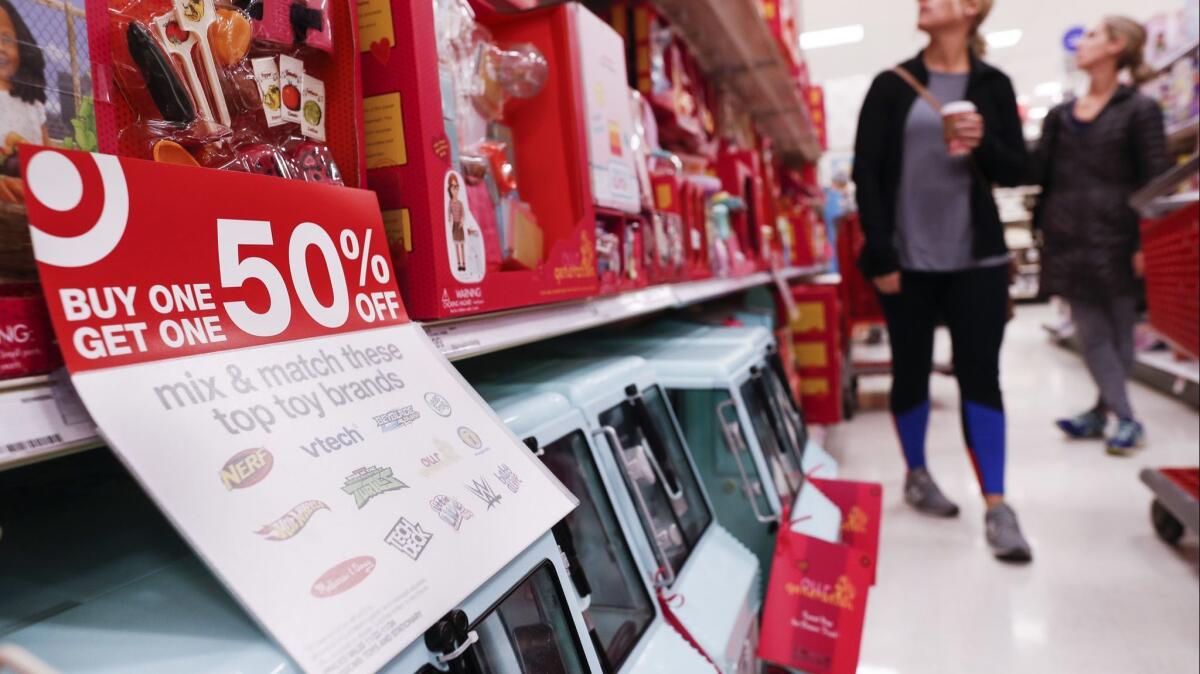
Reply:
x=451 y=510
x=408 y=537
x=397 y=418
x=246 y=468
x=367 y=483
x=292 y=522
x=841 y=595
x=343 y=577
x=856 y=521
x=17 y=333
x=509 y=478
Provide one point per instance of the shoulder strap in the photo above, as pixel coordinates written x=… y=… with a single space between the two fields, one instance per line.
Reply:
x=919 y=88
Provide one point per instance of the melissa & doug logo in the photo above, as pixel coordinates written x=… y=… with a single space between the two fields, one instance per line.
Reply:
x=343 y=577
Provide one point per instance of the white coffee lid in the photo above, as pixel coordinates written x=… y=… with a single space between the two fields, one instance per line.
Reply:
x=958 y=108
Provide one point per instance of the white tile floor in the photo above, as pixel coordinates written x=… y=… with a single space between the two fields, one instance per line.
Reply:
x=1103 y=593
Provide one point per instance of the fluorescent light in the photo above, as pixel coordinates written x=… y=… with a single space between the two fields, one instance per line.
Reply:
x=1004 y=38
x=831 y=37
x=1038 y=113
x=1048 y=89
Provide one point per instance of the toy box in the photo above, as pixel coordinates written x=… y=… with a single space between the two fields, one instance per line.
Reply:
x=492 y=214
x=740 y=172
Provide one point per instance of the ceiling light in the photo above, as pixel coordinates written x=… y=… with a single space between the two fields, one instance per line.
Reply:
x=1004 y=38
x=831 y=37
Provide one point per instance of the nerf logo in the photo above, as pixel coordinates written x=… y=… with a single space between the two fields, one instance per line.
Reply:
x=246 y=468
x=17 y=333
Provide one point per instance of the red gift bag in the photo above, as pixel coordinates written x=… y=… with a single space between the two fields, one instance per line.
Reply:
x=862 y=510
x=816 y=603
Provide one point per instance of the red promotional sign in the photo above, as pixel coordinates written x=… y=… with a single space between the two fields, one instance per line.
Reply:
x=196 y=261
x=816 y=602
x=861 y=504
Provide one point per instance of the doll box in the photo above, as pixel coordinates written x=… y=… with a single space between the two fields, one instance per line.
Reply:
x=407 y=101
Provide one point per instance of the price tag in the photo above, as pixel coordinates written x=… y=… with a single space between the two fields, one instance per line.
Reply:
x=241 y=344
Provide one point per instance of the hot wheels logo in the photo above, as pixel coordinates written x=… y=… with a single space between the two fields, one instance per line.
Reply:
x=343 y=577
x=292 y=522
x=246 y=468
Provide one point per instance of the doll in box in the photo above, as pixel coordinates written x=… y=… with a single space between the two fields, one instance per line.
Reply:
x=465 y=243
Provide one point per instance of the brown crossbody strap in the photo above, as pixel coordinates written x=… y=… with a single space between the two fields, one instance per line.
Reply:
x=919 y=88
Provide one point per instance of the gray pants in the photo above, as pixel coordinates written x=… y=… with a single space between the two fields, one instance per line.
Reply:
x=1105 y=332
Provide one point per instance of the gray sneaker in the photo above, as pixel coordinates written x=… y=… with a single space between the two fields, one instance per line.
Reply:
x=922 y=493
x=1004 y=535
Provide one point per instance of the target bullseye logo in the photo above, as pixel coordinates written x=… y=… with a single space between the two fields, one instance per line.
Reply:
x=58 y=185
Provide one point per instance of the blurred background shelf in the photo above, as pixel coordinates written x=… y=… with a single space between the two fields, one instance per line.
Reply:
x=734 y=44
x=458 y=339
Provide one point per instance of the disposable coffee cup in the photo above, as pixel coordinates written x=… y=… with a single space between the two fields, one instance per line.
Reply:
x=951 y=113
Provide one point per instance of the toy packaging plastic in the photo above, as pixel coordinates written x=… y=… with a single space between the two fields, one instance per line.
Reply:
x=243 y=86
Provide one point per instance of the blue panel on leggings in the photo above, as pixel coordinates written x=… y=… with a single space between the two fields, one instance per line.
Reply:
x=985 y=430
x=911 y=426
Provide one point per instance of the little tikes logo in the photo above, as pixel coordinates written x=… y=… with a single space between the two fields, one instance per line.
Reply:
x=841 y=594
x=246 y=468
x=292 y=522
x=343 y=577
x=397 y=418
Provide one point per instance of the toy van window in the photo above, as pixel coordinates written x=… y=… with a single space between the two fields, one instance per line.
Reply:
x=676 y=523
x=621 y=606
x=776 y=449
x=529 y=631
x=697 y=411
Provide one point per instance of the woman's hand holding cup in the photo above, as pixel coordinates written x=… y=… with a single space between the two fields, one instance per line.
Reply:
x=963 y=126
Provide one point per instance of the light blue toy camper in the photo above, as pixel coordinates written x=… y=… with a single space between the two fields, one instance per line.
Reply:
x=597 y=539
x=711 y=581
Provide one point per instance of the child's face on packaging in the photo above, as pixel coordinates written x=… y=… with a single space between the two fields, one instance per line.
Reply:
x=10 y=59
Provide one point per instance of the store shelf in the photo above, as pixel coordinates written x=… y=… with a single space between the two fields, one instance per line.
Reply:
x=736 y=48
x=462 y=338
x=41 y=418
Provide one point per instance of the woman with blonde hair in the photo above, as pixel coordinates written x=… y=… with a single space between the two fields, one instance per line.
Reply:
x=1095 y=152
x=935 y=246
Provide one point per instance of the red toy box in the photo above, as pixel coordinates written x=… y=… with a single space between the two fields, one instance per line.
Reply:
x=741 y=174
x=415 y=111
x=27 y=343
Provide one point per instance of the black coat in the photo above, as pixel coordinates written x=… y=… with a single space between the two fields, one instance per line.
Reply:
x=1087 y=173
x=879 y=150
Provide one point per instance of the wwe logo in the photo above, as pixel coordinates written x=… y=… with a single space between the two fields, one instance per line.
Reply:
x=484 y=492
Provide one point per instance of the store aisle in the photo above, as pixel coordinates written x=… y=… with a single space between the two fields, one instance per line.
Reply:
x=1103 y=593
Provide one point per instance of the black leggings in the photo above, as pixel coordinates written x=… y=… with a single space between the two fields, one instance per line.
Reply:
x=974 y=305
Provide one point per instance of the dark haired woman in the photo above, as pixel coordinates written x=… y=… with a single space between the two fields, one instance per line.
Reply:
x=22 y=98
x=935 y=246
x=22 y=82
x=1094 y=153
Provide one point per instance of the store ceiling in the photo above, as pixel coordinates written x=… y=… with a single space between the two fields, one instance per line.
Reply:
x=890 y=36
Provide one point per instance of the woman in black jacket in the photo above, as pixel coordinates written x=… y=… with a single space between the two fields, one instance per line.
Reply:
x=935 y=246
x=1094 y=153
